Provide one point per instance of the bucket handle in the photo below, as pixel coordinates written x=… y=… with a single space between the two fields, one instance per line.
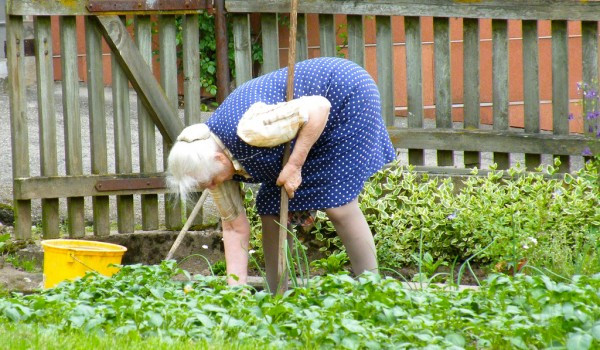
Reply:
x=72 y=255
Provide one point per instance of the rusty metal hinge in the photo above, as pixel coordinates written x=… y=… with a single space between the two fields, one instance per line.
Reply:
x=147 y=5
x=130 y=184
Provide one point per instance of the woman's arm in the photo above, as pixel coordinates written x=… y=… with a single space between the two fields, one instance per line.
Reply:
x=318 y=113
x=236 y=237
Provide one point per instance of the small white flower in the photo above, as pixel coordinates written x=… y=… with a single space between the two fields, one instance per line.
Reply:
x=251 y=251
x=525 y=246
x=204 y=246
x=533 y=240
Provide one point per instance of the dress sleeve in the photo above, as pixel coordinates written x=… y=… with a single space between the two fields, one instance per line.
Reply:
x=228 y=199
x=266 y=125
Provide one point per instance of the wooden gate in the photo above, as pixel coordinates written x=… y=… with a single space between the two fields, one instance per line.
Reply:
x=131 y=62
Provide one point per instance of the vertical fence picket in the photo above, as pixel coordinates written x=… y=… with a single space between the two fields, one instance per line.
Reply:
x=93 y=48
x=414 y=83
x=18 y=119
x=589 y=43
x=560 y=85
x=531 y=96
x=168 y=77
x=72 y=119
x=301 y=38
x=270 y=42
x=46 y=120
x=327 y=35
x=122 y=129
x=146 y=133
x=356 y=39
x=500 y=84
x=191 y=82
x=471 y=102
x=443 y=93
x=385 y=67
x=242 y=49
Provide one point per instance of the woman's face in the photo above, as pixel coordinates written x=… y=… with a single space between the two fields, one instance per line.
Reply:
x=223 y=173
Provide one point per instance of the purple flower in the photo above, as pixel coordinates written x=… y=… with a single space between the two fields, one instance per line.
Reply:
x=598 y=134
x=590 y=94
x=590 y=129
x=571 y=117
x=587 y=152
x=452 y=216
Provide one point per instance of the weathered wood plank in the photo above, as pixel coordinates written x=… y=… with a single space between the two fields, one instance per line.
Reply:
x=18 y=119
x=167 y=33
x=140 y=76
x=560 y=84
x=589 y=32
x=510 y=142
x=191 y=82
x=122 y=130
x=443 y=94
x=93 y=48
x=356 y=39
x=73 y=8
x=72 y=119
x=46 y=119
x=270 y=42
x=327 y=35
x=301 y=39
x=81 y=185
x=146 y=133
x=531 y=94
x=414 y=83
x=385 y=67
x=506 y=9
x=471 y=84
x=500 y=84
x=242 y=48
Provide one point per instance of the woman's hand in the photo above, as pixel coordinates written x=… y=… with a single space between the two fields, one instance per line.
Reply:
x=290 y=178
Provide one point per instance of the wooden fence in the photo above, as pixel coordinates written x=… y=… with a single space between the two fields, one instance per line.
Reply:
x=158 y=102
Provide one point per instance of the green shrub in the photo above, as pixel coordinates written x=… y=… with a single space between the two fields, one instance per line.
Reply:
x=540 y=218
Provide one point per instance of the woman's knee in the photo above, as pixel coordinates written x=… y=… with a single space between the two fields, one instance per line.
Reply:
x=343 y=213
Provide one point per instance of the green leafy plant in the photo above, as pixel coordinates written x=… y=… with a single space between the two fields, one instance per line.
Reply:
x=334 y=263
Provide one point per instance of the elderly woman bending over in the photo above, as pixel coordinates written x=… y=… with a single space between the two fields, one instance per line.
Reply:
x=338 y=141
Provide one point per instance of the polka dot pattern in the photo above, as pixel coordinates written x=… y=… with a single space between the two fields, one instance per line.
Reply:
x=353 y=146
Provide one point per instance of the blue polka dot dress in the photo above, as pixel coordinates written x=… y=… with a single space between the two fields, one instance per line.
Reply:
x=353 y=146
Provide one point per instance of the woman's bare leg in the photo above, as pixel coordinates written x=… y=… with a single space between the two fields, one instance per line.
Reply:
x=352 y=227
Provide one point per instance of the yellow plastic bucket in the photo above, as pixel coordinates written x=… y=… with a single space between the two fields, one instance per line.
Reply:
x=70 y=258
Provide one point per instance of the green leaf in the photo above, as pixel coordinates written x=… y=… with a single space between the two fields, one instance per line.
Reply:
x=579 y=341
x=154 y=318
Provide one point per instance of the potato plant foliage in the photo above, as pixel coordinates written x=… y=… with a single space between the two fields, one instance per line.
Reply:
x=333 y=311
x=548 y=220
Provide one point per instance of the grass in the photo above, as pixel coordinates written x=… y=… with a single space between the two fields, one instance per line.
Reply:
x=17 y=336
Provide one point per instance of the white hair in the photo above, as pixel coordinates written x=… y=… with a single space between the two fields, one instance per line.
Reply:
x=190 y=164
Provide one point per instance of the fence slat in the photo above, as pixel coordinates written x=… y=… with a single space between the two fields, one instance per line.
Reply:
x=471 y=85
x=146 y=133
x=301 y=38
x=500 y=84
x=589 y=32
x=327 y=35
x=443 y=94
x=385 y=67
x=270 y=42
x=72 y=119
x=122 y=129
x=242 y=49
x=560 y=84
x=93 y=47
x=46 y=120
x=356 y=39
x=18 y=119
x=414 y=83
x=531 y=94
x=168 y=78
x=191 y=83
